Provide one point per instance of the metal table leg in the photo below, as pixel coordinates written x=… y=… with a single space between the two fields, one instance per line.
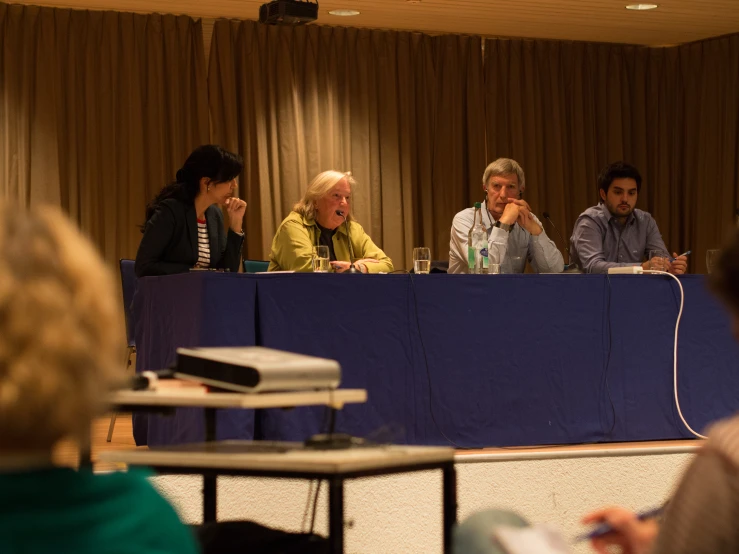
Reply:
x=336 y=515
x=449 y=488
x=209 y=480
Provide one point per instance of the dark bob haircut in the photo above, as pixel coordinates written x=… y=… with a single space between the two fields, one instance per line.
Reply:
x=211 y=161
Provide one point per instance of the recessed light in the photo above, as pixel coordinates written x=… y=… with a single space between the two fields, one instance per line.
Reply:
x=642 y=7
x=344 y=13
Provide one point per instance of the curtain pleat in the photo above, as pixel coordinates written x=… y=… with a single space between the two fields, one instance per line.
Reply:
x=98 y=110
x=401 y=111
x=565 y=110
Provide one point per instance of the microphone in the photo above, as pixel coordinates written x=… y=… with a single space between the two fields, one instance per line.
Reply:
x=567 y=248
x=351 y=269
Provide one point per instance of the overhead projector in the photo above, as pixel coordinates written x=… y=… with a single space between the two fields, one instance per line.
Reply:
x=288 y=12
x=256 y=369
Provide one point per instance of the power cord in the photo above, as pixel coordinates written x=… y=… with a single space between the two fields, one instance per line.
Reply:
x=315 y=506
x=674 y=354
x=307 y=504
x=331 y=414
x=331 y=429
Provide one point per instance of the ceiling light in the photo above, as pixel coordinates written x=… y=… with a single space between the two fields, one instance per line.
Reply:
x=344 y=13
x=642 y=7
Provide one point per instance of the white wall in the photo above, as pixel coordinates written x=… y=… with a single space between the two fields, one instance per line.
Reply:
x=402 y=513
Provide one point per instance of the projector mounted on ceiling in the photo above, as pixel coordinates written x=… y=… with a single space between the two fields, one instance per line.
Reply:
x=288 y=12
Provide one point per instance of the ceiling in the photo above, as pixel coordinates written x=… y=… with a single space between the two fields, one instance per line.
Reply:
x=674 y=22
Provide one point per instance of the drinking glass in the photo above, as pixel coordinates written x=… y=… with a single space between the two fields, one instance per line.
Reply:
x=658 y=261
x=422 y=260
x=711 y=258
x=320 y=259
x=494 y=269
x=511 y=264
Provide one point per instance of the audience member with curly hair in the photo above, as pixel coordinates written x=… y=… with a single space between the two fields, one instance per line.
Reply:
x=61 y=350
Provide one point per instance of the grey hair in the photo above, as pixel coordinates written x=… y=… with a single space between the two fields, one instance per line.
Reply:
x=504 y=166
x=319 y=187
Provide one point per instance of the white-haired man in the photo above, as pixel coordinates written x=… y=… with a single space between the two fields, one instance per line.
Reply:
x=515 y=234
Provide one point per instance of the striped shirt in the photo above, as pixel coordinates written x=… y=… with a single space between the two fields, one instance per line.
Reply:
x=702 y=515
x=203 y=245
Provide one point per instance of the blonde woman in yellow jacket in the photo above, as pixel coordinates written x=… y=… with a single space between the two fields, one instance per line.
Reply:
x=318 y=219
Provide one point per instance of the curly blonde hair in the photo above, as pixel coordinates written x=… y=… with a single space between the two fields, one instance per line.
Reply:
x=61 y=333
x=320 y=186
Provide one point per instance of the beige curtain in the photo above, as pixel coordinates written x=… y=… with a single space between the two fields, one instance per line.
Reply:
x=401 y=111
x=564 y=110
x=97 y=111
x=404 y=112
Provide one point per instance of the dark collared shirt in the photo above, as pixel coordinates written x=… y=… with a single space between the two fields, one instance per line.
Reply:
x=600 y=242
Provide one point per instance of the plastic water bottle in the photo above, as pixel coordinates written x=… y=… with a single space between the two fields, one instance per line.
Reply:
x=477 y=244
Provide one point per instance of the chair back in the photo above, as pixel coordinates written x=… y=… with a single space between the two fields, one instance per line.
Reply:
x=128 y=284
x=255 y=266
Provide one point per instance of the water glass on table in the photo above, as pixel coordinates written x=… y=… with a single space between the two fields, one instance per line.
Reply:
x=711 y=259
x=320 y=259
x=658 y=260
x=511 y=264
x=421 y=260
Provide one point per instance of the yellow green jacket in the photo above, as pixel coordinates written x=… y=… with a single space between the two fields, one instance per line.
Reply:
x=292 y=247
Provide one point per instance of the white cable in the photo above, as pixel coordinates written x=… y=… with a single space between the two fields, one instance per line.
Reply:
x=674 y=354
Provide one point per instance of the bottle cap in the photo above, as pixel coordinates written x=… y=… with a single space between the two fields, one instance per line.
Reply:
x=478 y=205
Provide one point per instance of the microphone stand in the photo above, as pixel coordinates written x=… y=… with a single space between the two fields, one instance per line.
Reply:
x=351 y=269
x=567 y=249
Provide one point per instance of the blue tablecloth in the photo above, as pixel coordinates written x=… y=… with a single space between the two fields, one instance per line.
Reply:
x=191 y=309
x=472 y=360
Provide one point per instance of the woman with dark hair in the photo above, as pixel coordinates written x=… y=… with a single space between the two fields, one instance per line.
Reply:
x=184 y=225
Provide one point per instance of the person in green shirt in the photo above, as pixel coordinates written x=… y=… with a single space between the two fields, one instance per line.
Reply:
x=319 y=219
x=61 y=347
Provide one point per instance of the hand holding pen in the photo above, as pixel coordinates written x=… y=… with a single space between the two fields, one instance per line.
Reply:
x=679 y=264
x=683 y=255
x=634 y=533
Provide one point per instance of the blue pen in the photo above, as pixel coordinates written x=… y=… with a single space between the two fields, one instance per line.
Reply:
x=604 y=528
x=683 y=254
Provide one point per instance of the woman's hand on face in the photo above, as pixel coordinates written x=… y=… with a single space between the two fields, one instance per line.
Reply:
x=236 y=208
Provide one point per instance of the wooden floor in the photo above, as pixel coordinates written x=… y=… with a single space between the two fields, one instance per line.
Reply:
x=67 y=453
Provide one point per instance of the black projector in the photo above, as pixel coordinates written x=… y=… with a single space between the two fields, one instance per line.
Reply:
x=288 y=12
